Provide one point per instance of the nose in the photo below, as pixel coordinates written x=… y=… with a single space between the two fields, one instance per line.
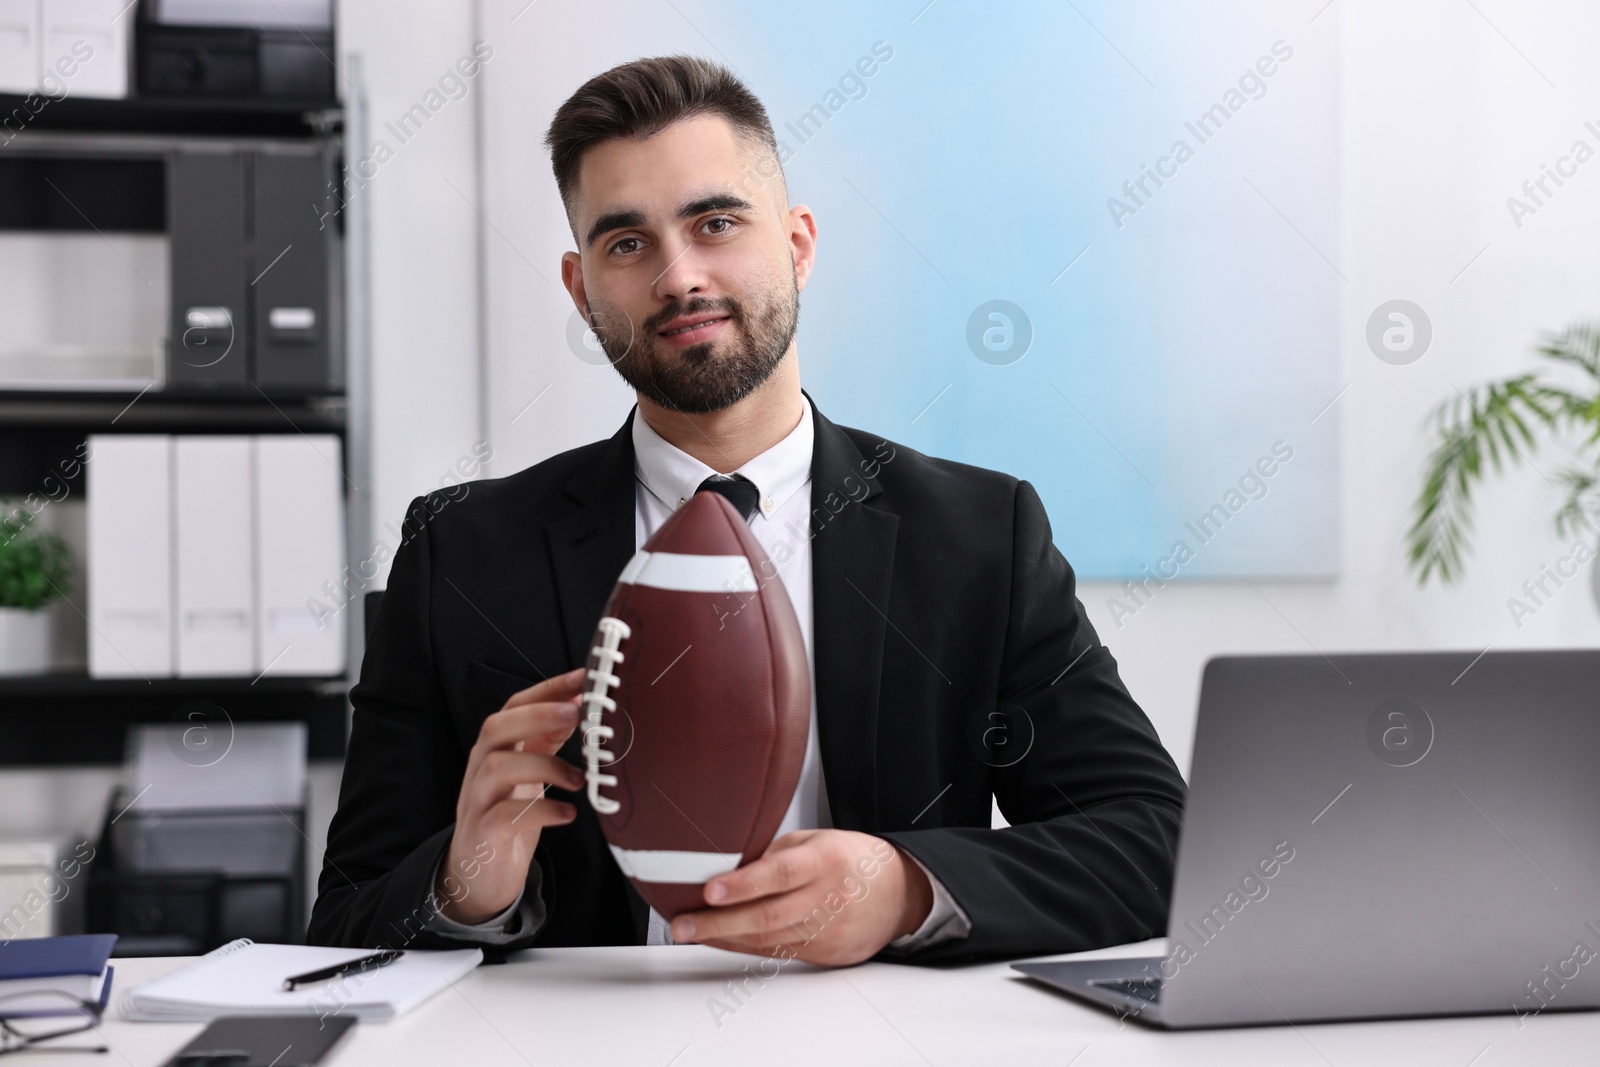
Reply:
x=683 y=275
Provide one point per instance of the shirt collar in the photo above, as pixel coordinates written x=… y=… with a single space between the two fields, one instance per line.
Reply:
x=673 y=475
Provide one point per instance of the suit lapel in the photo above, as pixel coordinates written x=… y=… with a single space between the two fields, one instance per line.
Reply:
x=852 y=559
x=589 y=548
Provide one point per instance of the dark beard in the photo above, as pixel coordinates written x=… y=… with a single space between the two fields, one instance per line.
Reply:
x=696 y=381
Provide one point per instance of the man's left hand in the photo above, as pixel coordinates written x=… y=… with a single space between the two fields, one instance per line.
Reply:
x=832 y=897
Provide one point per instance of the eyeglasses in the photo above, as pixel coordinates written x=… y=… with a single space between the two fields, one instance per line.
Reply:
x=29 y=1019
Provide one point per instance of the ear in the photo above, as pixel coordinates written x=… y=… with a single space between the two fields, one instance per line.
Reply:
x=802 y=242
x=572 y=278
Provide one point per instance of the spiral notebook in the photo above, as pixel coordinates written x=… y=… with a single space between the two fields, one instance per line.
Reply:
x=244 y=978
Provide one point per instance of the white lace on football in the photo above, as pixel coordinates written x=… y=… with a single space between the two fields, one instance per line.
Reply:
x=595 y=701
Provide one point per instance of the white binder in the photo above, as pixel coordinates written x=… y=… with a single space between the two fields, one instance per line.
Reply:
x=91 y=38
x=299 y=513
x=19 y=48
x=214 y=556
x=129 y=570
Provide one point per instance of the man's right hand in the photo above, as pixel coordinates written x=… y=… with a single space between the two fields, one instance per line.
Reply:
x=498 y=823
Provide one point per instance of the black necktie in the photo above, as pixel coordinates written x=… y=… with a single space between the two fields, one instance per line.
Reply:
x=740 y=491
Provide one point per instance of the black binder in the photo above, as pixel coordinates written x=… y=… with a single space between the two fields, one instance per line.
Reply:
x=295 y=321
x=255 y=264
x=208 y=344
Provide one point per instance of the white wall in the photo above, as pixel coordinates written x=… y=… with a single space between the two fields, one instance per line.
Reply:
x=423 y=253
x=542 y=397
x=1442 y=121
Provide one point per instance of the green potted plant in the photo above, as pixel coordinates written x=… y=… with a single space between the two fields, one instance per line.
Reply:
x=1501 y=424
x=35 y=569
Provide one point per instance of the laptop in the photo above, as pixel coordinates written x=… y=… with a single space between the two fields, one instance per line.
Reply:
x=1378 y=836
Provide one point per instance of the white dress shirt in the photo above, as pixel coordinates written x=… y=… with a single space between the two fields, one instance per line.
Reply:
x=666 y=478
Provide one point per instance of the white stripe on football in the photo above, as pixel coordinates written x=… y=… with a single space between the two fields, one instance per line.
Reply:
x=685 y=868
x=690 y=574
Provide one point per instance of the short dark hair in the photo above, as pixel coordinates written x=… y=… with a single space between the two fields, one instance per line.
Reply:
x=644 y=97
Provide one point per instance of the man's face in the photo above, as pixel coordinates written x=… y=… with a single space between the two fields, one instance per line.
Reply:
x=689 y=265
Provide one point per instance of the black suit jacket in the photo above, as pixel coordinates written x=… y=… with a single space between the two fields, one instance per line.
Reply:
x=953 y=663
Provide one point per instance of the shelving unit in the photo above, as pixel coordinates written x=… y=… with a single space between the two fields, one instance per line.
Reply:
x=158 y=411
x=68 y=717
x=168 y=115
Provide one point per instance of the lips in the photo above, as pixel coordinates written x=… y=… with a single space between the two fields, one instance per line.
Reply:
x=688 y=323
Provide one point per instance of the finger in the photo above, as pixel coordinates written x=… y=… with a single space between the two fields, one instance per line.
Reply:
x=534 y=813
x=503 y=771
x=791 y=839
x=761 y=944
x=532 y=727
x=769 y=920
x=560 y=687
x=735 y=945
x=544 y=726
x=782 y=868
x=782 y=951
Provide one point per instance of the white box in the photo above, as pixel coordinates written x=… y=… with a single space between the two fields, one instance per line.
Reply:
x=299 y=513
x=214 y=555
x=234 y=765
x=34 y=886
x=306 y=15
x=19 y=47
x=86 y=47
x=128 y=488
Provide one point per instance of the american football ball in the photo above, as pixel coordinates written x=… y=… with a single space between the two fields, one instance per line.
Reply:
x=695 y=707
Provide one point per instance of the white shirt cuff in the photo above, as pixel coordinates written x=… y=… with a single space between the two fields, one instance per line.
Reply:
x=945 y=922
x=520 y=919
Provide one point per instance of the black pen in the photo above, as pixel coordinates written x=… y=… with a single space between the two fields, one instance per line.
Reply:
x=357 y=966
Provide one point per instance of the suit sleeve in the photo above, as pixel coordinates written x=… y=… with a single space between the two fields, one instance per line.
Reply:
x=1095 y=803
x=402 y=774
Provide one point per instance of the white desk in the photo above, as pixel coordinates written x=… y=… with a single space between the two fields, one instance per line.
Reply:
x=648 y=1006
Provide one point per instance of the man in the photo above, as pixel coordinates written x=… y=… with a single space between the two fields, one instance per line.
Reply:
x=952 y=663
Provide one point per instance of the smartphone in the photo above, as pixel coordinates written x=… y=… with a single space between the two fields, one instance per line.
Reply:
x=263 y=1041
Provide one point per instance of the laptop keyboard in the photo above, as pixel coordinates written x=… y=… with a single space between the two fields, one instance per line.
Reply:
x=1145 y=989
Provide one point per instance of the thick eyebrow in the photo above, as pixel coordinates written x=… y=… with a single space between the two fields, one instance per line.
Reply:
x=621 y=220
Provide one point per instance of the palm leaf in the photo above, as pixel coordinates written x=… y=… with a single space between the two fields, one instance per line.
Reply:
x=1577 y=346
x=1497 y=425
x=1486 y=428
x=1580 y=502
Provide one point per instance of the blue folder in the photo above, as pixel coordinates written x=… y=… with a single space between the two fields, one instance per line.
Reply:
x=73 y=962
